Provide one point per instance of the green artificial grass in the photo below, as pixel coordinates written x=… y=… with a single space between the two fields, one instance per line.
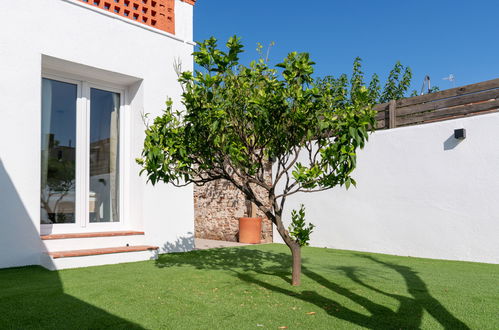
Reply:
x=248 y=288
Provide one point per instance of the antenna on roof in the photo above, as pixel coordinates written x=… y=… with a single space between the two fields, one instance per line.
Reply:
x=451 y=78
x=427 y=84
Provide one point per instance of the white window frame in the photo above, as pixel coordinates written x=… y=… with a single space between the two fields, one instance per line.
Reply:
x=82 y=218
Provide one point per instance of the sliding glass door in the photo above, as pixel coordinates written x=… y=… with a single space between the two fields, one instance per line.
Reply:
x=80 y=155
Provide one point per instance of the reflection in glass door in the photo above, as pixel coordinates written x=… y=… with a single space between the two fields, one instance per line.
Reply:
x=58 y=152
x=104 y=156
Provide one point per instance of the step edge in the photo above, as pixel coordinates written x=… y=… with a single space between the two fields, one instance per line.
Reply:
x=96 y=252
x=51 y=237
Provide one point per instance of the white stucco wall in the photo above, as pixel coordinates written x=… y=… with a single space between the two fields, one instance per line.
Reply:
x=31 y=34
x=419 y=193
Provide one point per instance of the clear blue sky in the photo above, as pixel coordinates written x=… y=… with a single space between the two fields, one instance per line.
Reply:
x=432 y=37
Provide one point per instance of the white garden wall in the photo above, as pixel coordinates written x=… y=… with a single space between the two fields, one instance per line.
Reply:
x=87 y=43
x=420 y=193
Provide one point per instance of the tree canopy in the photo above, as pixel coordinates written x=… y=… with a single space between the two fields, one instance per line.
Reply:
x=237 y=119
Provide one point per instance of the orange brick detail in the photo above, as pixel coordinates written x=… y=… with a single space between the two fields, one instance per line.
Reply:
x=191 y=2
x=94 y=252
x=90 y=235
x=159 y=14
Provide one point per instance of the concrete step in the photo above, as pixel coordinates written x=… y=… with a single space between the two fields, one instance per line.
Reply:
x=95 y=240
x=56 y=260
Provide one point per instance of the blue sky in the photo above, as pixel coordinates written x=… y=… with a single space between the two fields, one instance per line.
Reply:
x=432 y=37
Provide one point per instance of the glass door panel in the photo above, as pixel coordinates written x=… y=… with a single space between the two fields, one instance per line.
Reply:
x=58 y=152
x=104 y=156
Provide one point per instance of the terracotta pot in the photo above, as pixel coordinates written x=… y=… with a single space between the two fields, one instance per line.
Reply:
x=250 y=230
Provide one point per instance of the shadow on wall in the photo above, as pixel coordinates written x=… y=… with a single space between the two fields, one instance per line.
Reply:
x=33 y=297
x=243 y=261
x=451 y=142
x=182 y=244
x=20 y=242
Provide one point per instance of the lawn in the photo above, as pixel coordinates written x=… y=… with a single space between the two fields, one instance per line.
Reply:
x=248 y=288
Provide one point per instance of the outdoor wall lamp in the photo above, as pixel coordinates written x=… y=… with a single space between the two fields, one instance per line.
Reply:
x=460 y=133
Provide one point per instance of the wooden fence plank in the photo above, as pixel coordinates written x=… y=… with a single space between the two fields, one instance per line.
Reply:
x=444 y=113
x=470 y=114
x=381 y=107
x=449 y=102
x=482 y=86
x=392 y=118
x=380 y=124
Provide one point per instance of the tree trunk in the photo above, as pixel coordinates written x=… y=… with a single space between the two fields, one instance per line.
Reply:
x=296 y=273
x=294 y=247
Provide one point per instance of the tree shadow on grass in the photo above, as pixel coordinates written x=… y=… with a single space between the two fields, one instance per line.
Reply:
x=232 y=259
x=243 y=261
x=422 y=299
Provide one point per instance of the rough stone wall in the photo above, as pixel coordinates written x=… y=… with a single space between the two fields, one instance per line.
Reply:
x=218 y=206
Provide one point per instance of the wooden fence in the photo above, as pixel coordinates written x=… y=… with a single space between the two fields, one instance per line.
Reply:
x=452 y=103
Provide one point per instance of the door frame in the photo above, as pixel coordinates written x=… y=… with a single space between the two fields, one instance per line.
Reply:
x=82 y=172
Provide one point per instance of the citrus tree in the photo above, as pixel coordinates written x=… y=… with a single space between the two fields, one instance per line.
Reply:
x=236 y=119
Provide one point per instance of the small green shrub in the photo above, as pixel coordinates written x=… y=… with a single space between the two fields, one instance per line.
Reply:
x=298 y=228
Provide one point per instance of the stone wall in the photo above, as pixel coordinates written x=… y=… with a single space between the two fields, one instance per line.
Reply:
x=218 y=206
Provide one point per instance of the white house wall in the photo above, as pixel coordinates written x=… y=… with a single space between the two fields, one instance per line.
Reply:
x=33 y=33
x=420 y=192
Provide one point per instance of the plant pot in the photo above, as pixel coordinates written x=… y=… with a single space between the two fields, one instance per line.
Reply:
x=250 y=230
